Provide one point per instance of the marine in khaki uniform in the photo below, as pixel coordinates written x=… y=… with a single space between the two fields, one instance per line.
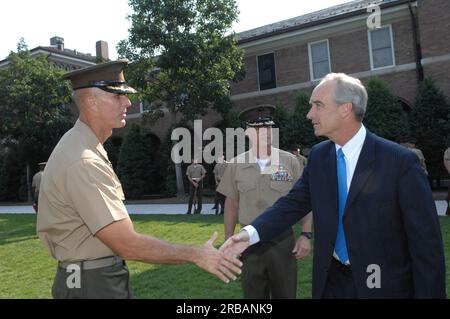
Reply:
x=82 y=219
x=252 y=183
x=36 y=183
x=195 y=174
x=301 y=159
x=219 y=170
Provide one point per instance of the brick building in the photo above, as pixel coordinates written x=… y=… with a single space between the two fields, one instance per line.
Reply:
x=281 y=59
x=66 y=59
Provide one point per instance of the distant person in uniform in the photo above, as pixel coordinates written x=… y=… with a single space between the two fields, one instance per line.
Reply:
x=300 y=157
x=219 y=170
x=252 y=183
x=411 y=145
x=82 y=219
x=447 y=166
x=35 y=185
x=195 y=174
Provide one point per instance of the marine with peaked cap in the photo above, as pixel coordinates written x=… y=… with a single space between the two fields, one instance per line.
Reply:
x=251 y=183
x=82 y=219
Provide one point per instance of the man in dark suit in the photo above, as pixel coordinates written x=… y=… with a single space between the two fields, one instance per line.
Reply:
x=377 y=234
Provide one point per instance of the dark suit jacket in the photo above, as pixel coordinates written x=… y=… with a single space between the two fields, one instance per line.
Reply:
x=390 y=220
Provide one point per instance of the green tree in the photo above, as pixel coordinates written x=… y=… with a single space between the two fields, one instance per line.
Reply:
x=281 y=119
x=11 y=173
x=385 y=115
x=32 y=104
x=183 y=55
x=300 y=130
x=430 y=127
x=136 y=166
x=185 y=58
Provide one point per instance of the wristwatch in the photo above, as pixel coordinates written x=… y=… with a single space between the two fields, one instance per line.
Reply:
x=307 y=234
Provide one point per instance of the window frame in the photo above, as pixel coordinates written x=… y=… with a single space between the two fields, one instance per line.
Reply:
x=274 y=67
x=369 y=38
x=311 y=66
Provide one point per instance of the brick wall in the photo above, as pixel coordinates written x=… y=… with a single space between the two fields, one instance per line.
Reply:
x=434 y=24
x=292 y=65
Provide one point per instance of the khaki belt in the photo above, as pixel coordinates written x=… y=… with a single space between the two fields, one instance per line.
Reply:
x=93 y=264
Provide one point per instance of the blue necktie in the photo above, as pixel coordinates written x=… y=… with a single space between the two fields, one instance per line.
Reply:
x=341 y=246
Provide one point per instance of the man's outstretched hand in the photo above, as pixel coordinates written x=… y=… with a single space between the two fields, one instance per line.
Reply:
x=236 y=244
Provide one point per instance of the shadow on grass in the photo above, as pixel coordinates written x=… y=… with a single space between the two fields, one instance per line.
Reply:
x=16 y=228
x=20 y=227
x=179 y=282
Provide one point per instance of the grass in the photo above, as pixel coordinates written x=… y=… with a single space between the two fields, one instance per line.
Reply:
x=27 y=270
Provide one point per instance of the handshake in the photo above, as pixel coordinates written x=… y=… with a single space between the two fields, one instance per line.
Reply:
x=224 y=262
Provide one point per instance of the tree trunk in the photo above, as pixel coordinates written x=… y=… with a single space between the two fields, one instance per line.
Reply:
x=29 y=198
x=178 y=171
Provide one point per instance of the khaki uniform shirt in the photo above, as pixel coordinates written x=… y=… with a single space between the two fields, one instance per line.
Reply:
x=36 y=183
x=195 y=171
x=302 y=160
x=80 y=194
x=255 y=190
x=219 y=170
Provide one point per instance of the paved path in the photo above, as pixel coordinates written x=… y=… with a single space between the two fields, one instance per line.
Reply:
x=170 y=209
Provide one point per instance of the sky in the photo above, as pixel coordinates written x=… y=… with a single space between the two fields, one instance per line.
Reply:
x=83 y=22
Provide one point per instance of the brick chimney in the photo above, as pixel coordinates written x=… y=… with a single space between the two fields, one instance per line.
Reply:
x=58 y=42
x=102 y=50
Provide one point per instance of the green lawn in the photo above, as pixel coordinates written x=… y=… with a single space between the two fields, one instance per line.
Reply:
x=26 y=270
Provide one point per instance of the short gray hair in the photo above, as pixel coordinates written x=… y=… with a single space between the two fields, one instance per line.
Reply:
x=77 y=95
x=349 y=90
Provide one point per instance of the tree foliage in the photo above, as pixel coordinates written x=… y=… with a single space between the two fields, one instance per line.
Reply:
x=385 y=115
x=32 y=104
x=182 y=54
x=301 y=132
x=137 y=166
x=430 y=126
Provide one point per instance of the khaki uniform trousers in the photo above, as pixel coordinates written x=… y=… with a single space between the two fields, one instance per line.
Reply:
x=270 y=269
x=111 y=282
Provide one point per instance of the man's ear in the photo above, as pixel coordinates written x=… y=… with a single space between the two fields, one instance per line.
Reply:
x=92 y=102
x=346 y=109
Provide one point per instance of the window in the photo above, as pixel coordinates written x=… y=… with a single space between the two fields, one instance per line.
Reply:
x=319 y=59
x=266 y=71
x=381 y=48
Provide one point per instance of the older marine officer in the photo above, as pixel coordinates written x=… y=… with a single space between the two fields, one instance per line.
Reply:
x=82 y=219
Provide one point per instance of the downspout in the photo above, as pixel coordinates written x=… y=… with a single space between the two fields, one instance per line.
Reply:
x=417 y=45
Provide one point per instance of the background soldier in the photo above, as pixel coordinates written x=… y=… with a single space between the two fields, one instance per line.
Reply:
x=252 y=183
x=195 y=174
x=82 y=219
x=35 y=185
x=219 y=170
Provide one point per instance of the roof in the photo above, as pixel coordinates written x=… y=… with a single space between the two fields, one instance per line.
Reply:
x=318 y=17
x=67 y=52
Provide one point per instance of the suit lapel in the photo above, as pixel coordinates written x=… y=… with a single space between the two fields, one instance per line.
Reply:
x=363 y=169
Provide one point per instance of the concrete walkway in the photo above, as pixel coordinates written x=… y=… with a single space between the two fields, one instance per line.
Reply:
x=170 y=209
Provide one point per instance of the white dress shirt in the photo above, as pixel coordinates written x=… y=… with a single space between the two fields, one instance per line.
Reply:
x=351 y=150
